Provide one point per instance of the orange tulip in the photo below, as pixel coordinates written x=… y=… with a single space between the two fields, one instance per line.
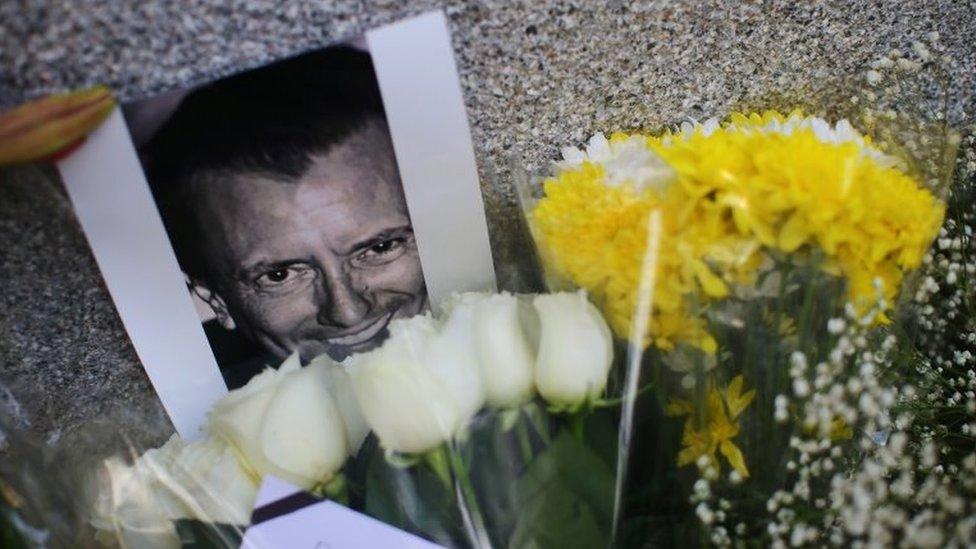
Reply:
x=49 y=127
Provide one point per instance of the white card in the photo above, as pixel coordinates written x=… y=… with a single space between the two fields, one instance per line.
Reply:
x=285 y=516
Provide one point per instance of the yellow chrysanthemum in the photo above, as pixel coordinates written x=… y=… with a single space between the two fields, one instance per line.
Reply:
x=726 y=195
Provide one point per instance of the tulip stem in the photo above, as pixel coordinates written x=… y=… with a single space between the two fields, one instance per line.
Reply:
x=470 y=510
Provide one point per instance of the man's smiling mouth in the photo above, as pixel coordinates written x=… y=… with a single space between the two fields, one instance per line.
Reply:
x=364 y=335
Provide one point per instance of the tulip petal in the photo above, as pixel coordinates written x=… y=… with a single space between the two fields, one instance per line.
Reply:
x=42 y=128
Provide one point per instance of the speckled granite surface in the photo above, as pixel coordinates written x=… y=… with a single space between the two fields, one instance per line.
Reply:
x=536 y=76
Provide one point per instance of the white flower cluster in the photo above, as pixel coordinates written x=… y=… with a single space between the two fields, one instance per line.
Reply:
x=424 y=384
x=419 y=389
x=705 y=502
x=628 y=161
x=838 y=133
x=909 y=481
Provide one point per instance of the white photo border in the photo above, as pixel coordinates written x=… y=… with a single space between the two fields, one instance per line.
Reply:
x=417 y=75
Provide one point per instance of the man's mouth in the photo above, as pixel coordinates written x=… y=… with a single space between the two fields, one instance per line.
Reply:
x=364 y=335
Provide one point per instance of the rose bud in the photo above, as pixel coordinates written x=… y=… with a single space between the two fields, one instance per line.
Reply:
x=129 y=508
x=416 y=390
x=237 y=416
x=575 y=349
x=302 y=435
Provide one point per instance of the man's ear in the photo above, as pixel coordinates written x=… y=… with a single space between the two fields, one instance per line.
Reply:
x=213 y=299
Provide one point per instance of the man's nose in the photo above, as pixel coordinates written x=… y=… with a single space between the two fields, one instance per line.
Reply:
x=344 y=305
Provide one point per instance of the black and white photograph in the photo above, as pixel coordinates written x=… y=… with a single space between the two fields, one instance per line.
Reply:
x=280 y=193
x=293 y=208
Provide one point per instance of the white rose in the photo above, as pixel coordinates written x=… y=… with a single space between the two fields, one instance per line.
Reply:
x=340 y=387
x=504 y=350
x=453 y=357
x=419 y=388
x=219 y=488
x=202 y=480
x=575 y=349
x=286 y=423
x=129 y=508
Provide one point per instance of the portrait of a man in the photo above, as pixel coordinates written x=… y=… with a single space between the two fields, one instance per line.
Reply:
x=280 y=193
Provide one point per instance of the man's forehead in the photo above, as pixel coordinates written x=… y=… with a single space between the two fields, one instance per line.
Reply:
x=367 y=150
x=365 y=155
x=341 y=197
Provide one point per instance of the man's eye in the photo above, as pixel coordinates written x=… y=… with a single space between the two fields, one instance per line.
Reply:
x=383 y=247
x=281 y=277
x=381 y=253
x=277 y=275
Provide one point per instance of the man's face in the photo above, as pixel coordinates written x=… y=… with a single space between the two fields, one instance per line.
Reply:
x=317 y=265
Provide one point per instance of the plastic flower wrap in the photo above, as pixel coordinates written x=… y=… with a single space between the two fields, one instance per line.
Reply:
x=483 y=423
x=300 y=424
x=204 y=481
x=756 y=264
x=452 y=402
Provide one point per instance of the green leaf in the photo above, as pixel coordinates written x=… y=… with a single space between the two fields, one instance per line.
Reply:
x=565 y=498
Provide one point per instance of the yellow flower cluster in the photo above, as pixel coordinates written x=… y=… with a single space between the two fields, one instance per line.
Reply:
x=733 y=193
x=711 y=432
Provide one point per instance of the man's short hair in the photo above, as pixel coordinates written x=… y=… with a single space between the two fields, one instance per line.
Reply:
x=269 y=121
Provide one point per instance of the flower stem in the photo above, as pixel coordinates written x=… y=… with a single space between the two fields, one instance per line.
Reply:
x=576 y=425
x=467 y=499
x=437 y=460
x=525 y=444
x=337 y=489
x=609 y=402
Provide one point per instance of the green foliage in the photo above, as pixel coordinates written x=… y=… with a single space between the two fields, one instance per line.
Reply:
x=565 y=498
x=202 y=535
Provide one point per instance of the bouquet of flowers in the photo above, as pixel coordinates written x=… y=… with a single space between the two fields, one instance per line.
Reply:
x=748 y=339
x=446 y=399
x=766 y=271
x=756 y=270
x=758 y=261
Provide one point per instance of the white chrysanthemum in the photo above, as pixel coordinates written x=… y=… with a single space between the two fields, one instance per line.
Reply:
x=841 y=132
x=627 y=161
